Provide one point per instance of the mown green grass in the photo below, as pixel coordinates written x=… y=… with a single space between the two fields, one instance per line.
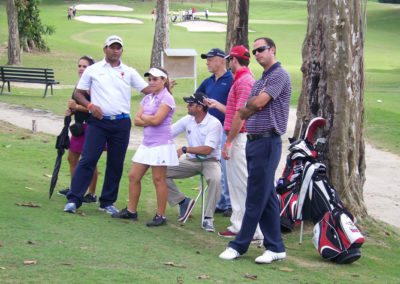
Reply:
x=90 y=247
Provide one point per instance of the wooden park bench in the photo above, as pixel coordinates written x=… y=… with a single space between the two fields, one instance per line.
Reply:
x=27 y=75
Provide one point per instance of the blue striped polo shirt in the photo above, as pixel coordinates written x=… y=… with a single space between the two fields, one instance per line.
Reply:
x=274 y=115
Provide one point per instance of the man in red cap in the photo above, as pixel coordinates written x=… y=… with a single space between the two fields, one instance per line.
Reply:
x=234 y=148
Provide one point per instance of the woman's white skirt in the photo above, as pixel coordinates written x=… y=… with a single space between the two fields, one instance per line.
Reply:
x=164 y=155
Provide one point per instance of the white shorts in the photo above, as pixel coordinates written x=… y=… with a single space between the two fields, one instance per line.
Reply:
x=164 y=155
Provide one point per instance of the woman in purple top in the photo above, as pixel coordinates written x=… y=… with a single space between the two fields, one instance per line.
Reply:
x=157 y=149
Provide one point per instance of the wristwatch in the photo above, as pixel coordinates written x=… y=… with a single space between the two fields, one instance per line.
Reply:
x=184 y=149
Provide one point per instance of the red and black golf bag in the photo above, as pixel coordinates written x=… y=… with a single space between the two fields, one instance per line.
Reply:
x=306 y=194
x=335 y=235
x=288 y=186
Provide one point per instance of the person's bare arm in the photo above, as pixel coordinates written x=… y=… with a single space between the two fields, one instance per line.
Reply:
x=158 y=117
x=198 y=150
x=74 y=106
x=137 y=120
x=79 y=96
x=254 y=104
x=236 y=125
x=146 y=90
x=211 y=103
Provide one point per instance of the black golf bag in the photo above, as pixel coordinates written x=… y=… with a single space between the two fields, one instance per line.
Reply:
x=305 y=193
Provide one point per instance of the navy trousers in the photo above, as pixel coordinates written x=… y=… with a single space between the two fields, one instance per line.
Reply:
x=262 y=204
x=99 y=132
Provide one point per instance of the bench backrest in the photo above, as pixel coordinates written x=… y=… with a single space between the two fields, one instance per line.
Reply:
x=27 y=74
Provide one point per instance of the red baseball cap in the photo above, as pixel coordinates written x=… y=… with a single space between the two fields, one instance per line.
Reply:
x=239 y=51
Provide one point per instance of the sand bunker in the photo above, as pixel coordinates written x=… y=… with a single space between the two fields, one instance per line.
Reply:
x=203 y=26
x=102 y=7
x=215 y=14
x=107 y=20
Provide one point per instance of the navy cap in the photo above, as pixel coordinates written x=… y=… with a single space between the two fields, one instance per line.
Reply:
x=196 y=98
x=214 y=52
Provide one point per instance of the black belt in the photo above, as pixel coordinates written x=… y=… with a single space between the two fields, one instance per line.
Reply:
x=255 y=136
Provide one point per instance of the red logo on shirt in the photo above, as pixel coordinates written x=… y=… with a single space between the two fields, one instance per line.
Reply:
x=122 y=74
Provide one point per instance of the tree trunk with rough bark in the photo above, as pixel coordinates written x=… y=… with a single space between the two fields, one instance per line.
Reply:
x=14 y=48
x=161 y=34
x=333 y=87
x=238 y=24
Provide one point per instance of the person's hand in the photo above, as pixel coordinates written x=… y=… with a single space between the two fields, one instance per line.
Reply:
x=211 y=103
x=172 y=83
x=245 y=113
x=144 y=117
x=226 y=150
x=96 y=112
x=72 y=105
x=179 y=152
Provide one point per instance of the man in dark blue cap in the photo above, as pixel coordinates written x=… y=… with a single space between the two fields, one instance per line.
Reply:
x=217 y=87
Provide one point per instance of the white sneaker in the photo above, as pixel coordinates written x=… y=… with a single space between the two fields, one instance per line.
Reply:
x=229 y=254
x=269 y=256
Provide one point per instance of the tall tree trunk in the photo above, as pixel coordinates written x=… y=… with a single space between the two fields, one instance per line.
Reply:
x=161 y=35
x=14 y=48
x=333 y=87
x=238 y=24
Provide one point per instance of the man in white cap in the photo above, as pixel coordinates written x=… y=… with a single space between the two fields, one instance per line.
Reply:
x=109 y=84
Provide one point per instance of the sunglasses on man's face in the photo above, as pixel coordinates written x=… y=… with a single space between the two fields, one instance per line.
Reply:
x=260 y=49
x=82 y=66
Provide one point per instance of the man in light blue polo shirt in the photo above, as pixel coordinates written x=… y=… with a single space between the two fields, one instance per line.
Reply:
x=217 y=87
x=109 y=84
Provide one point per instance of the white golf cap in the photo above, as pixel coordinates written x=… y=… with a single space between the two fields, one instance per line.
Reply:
x=113 y=39
x=156 y=73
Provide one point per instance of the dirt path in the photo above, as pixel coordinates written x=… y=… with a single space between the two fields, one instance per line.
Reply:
x=381 y=190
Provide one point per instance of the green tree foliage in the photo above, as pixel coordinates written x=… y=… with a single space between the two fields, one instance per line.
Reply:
x=31 y=29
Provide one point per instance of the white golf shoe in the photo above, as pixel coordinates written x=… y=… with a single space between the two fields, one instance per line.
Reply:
x=229 y=254
x=270 y=256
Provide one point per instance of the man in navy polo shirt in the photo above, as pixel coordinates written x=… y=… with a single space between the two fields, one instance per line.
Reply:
x=217 y=87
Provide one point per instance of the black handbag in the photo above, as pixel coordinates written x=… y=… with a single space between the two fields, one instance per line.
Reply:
x=76 y=129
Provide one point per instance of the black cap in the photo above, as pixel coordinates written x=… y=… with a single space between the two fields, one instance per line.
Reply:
x=196 y=98
x=214 y=52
